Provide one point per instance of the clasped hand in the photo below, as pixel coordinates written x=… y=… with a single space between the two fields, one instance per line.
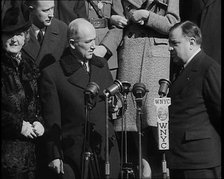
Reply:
x=32 y=130
x=118 y=21
x=139 y=16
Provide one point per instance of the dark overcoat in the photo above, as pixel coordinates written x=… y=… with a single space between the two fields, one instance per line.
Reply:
x=109 y=36
x=195 y=116
x=53 y=45
x=62 y=93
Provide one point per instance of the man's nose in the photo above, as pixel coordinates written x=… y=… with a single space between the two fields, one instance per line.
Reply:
x=170 y=48
x=14 y=38
x=51 y=13
x=93 y=45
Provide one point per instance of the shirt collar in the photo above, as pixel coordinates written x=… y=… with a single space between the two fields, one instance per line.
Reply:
x=196 y=52
x=36 y=30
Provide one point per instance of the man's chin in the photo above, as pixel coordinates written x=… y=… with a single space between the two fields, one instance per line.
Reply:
x=89 y=57
x=47 y=23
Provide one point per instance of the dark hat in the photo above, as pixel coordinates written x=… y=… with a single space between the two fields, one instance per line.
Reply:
x=16 y=18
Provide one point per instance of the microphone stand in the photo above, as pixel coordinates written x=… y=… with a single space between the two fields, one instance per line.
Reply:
x=139 y=91
x=88 y=157
x=139 y=126
x=87 y=153
x=107 y=162
x=164 y=85
x=165 y=170
x=110 y=91
x=126 y=169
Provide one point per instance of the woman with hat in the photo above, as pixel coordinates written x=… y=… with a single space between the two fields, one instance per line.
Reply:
x=20 y=113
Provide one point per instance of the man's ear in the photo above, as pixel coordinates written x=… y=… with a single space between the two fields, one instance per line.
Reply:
x=72 y=43
x=31 y=8
x=192 y=41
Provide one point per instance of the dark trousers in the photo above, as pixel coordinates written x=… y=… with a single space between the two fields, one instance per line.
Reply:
x=208 y=173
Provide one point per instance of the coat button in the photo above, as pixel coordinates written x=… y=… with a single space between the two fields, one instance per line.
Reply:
x=130 y=34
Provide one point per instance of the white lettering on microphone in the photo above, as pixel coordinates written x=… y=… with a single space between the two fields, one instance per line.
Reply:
x=163 y=121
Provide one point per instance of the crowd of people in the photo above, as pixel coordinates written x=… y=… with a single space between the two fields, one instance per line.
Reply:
x=53 y=50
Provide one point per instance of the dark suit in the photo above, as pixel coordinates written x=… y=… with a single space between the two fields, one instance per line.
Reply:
x=62 y=93
x=53 y=45
x=195 y=113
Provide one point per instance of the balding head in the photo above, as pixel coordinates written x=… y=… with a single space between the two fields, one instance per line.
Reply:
x=79 y=28
x=82 y=35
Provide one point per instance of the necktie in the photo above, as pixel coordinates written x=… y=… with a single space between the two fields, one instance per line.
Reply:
x=85 y=67
x=179 y=71
x=40 y=36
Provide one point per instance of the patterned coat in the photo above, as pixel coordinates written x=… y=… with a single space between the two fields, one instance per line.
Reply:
x=19 y=102
x=144 y=57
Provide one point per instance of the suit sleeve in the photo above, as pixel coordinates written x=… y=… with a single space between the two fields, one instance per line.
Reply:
x=51 y=114
x=114 y=36
x=162 y=23
x=212 y=93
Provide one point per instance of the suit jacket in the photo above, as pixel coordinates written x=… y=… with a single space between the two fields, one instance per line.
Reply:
x=194 y=111
x=62 y=94
x=53 y=45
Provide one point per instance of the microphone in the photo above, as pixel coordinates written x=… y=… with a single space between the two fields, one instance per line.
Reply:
x=164 y=85
x=139 y=90
x=126 y=87
x=92 y=89
x=113 y=89
x=91 y=93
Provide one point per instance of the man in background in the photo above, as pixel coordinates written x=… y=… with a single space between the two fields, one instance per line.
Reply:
x=48 y=35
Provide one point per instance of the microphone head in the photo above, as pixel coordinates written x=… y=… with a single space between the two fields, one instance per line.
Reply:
x=115 y=88
x=92 y=88
x=139 y=90
x=164 y=85
x=126 y=87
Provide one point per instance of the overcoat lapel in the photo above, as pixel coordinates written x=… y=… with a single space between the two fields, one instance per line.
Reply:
x=50 y=38
x=32 y=48
x=208 y=2
x=189 y=73
x=79 y=78
x=77 y=75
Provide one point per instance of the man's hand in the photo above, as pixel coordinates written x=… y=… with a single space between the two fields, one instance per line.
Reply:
x=118 y=21
x=100 y=51
x=139 y=16
x=27 y=130
x=115 y=105
x=57 y=166
x=146 y=169
x=38 y=128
